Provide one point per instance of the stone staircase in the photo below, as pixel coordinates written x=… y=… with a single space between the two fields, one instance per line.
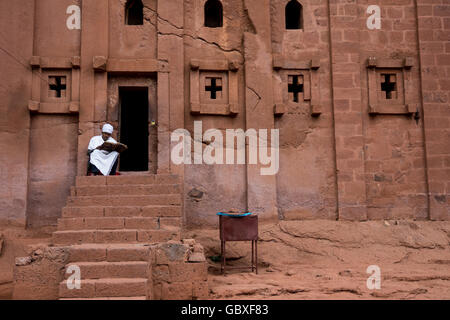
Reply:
x=117 y=271
x=108 y=225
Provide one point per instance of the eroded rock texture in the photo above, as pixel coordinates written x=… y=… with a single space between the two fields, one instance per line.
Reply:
x=325 y=259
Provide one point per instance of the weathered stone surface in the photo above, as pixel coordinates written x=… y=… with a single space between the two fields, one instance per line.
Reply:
x=412 y=255
x=189 y=242
x=200 y=290
x=23 y=261
x=171 y=252
x=196 y=257
x=2 y=239
x=195 y=193
x=198 y=248
x=177 y=291
x=38 y=276
x=345 y=151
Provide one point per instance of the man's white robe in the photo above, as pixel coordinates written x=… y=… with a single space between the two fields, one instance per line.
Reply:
x=102 y=159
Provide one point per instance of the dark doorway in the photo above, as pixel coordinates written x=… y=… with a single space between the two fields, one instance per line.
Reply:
x=134 y=128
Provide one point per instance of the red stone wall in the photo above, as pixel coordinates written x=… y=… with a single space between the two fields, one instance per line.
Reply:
x=434 y=45
x=349 y=162
x=394 y=158
x=222 y=187
x=16 y=25
x=51 y=36
x=306 y=182
x=381 y=165
x=348 y=109
x=129 y=41
x=52 y=163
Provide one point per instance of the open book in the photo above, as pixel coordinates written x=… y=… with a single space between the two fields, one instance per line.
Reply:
x=109 y=146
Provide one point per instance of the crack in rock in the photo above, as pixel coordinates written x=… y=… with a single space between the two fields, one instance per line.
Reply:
x=408 y=295
x=300 y=248
x=160 y=18
x=184 y=34
x=418 y=278
x=305 y=236
x=340 y=290
x=201 y=39
x=257 y=95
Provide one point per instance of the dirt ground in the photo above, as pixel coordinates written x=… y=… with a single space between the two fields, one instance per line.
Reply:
x=329 y=259
x=318 y=259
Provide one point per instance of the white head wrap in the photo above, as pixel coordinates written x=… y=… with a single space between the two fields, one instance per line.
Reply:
x=108 y=128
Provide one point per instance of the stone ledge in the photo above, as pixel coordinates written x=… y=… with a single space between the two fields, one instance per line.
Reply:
x=393 y=109
x=214 y=109
x=55 y=62
x=279 y=62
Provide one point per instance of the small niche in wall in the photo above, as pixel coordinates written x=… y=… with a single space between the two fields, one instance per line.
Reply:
x=134 y=13
x=213 y=14
x=294 y=15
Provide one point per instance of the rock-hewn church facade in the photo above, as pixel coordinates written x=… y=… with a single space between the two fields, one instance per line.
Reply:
x=359 y=91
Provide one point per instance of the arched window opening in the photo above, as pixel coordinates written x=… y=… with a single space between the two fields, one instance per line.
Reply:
x=213 y=14
x=134 y=12
x=294 y=15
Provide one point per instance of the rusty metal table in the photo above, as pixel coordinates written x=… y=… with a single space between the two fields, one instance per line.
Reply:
x=239 y=229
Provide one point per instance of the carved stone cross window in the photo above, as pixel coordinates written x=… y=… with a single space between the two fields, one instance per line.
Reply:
x=57 y=86
x=389 y=86
x=295 y=86
x=214 y=86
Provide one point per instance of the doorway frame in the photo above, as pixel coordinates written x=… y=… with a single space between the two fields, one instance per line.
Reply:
x=159 y=109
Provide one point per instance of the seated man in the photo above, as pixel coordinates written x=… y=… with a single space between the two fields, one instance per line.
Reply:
x=102 y=162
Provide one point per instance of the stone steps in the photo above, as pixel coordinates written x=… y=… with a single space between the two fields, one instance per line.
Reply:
x=122 y=211
x=106 y=269
x=109 y=224
x=142 y=200
x=106 y=223
x=109 y=272
x=98 y=252
x=116 y=223
x=144 y=179
x=71 y=237
x=117 y=190
x=106 y=288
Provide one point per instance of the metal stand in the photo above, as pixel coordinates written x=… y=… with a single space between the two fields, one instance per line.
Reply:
x=239 y=229
x=254 y=265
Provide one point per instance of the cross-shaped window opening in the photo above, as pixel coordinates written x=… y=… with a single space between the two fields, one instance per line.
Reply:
x=389 y=85
x=213 y=85
x=57 y=84
x=295 y=86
